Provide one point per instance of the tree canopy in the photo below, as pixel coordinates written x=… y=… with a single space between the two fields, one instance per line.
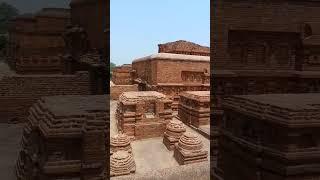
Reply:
x=7 y=12
x=112 y=65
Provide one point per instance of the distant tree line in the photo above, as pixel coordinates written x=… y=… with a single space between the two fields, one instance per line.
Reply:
x=7 y=12
x=112 y=65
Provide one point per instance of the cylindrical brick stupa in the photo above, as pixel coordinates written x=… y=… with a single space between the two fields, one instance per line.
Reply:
x=174 y=131
x=189 y=149
x=120 y=142
x=122 y=163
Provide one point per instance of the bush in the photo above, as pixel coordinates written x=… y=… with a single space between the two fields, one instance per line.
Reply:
x=3 y=42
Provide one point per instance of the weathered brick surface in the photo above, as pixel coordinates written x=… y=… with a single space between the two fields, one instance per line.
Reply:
x=94 y=23
x=194 y=108
x=122 y=75
x=184 y=47
x=117 y=90
x=69 y=130
x=261 y=47
x=19 y=92
x=143 y=114
x=284 y=126
x=149 y=130
x=169 y=71
x=35 y=41
x=264 y=16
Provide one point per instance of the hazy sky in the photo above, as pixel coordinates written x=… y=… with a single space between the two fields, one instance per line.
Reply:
x=30 y=6
x=138 y=26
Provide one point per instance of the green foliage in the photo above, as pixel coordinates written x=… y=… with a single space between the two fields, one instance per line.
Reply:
x=112 y=65
x=7 y=12
x=3 y=42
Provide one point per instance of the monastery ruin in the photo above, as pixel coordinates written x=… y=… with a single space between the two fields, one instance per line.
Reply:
x=64 y=143
x=178 y=66
x=143 y=114
x=263 y=48
x=272 y=136
x=194 y=108
x=155 y=97
x=57 y=86
x=35 y=41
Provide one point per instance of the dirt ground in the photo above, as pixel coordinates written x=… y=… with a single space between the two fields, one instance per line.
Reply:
x=10 y=137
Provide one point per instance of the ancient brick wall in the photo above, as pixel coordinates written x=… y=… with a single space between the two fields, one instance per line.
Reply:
x=92 y=16
x=272 y=16
x=19 y=92
x=172 y=71
x=184 y=47
x=38 y=37
x=117 y=90
x=194 y=108
x=145 y=130
x=49 y=24
x=122 y=75
x=258 y=49
x=169 y=71
x=143 y=70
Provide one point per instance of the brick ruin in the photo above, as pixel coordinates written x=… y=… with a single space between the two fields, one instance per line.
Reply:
x=35 y=41
x=148 y=92
x=272 y=136
x=173 y=132
x=143 y=114
x=122 y=81
x=184 y=47
x=174 y=70
x=81 y=70
x=117 y=90
x=120 y=142
x=122 y=163
x=194 y=108
x=178 y=66
x=189 y=149
x=86 y=42
x=66 y=134
x=122 y=75
x=263 y=48
x=96 y=23
x=64 y=138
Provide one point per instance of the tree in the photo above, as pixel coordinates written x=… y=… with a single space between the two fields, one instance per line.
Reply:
x=7 y=12
x=112 y=65
x=3 y=42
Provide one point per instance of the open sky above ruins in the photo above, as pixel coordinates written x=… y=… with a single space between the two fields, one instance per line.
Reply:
x=137 y=27
x=31 y=6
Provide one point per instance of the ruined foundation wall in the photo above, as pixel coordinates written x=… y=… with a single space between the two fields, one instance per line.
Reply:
x=19 y=92
x=117 y=90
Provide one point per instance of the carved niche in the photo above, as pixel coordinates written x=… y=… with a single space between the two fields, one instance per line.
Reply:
x=193 y=76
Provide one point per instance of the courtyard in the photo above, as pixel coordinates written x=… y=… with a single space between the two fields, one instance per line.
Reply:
x=151 y=154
